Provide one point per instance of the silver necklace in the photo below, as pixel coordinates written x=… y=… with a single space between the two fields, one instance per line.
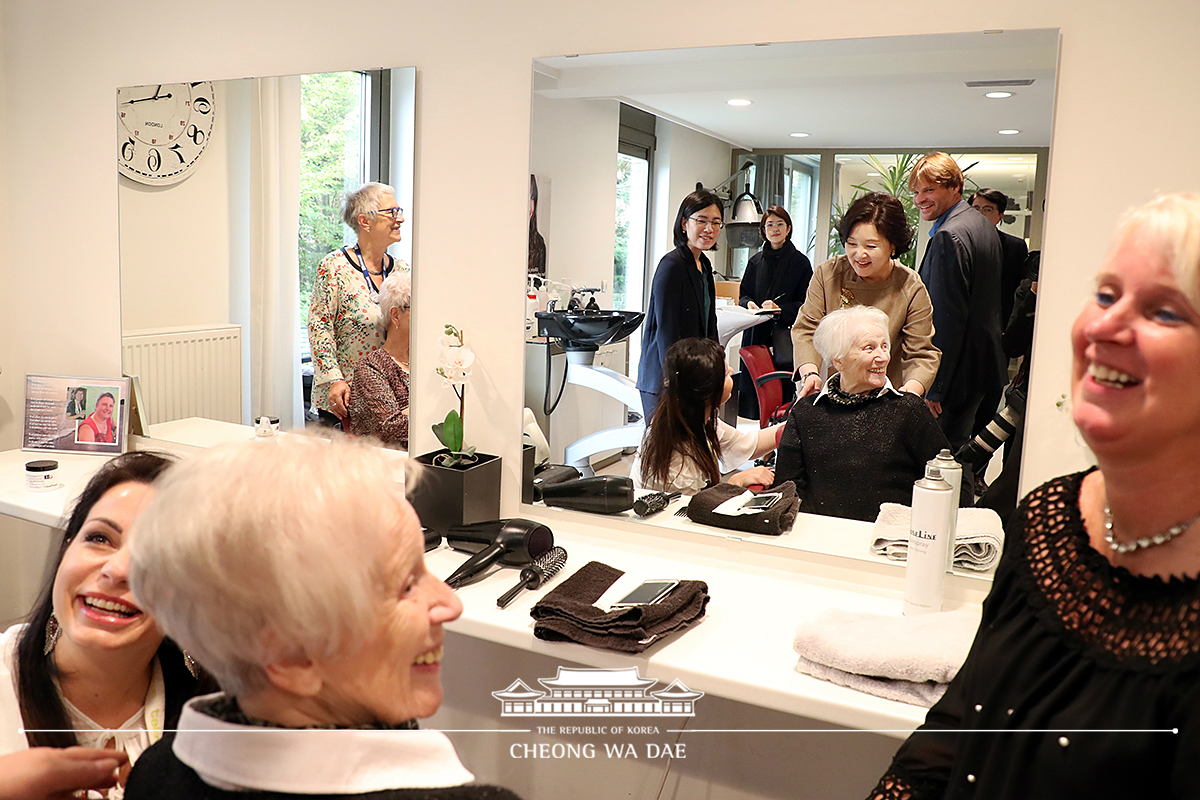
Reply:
x=1146 y=541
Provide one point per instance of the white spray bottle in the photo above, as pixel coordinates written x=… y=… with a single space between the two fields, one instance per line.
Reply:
x=928 y=538
x=952 y=473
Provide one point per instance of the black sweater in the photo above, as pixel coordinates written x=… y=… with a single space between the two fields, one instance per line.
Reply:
x=847 y=460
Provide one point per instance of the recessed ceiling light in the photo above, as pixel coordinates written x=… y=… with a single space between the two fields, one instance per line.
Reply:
x=1016 y=158
x=799 y=135
x=737 y=101
x=998 y=95
x=1008 y=132
x=872 y=174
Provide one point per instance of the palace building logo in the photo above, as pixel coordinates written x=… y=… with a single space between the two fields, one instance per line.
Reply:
x=597 y=693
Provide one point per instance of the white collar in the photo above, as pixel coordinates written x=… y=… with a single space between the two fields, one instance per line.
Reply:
x=230 y=756
x=887 y=385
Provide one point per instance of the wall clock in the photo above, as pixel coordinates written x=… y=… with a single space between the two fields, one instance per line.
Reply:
x=164 y=130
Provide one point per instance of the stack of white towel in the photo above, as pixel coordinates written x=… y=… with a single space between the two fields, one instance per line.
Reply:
x=977 y=543
x=908 y=659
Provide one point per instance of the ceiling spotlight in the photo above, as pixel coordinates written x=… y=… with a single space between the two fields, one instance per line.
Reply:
x=1008 y=132
x=1016 y=158
x=737 y=101
x=998 y=95
x=872 y=174
x=799 y=135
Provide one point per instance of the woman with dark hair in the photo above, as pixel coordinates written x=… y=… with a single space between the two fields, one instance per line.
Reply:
x=874 y=231
x=99 y=425
x=91 y=667
x=776 y=277
x=77 y=405
x=683 y=297
x=687 y=447
x=537 y=244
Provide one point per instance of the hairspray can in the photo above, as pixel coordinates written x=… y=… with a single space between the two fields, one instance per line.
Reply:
x=928 y=537
x=952 y=474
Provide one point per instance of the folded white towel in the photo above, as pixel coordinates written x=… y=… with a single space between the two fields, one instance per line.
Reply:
x=914 y=694
x=977 y=543
x=901 y=658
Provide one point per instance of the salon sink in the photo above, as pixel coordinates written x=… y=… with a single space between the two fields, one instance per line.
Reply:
x=587 y=330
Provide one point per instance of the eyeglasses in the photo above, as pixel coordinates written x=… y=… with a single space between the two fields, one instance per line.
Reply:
x=714 y=224
x=396 y=212
x=776 y=226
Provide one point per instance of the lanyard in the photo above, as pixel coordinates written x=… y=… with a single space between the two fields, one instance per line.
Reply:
x=372 y=292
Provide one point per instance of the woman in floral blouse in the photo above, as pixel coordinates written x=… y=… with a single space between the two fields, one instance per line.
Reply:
x=344 y=321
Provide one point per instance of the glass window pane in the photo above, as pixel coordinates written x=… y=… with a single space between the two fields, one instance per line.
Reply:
x=330 y=164
x=629 y=252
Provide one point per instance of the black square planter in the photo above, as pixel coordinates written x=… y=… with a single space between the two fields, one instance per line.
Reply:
x=448 y=496
x=527 y=468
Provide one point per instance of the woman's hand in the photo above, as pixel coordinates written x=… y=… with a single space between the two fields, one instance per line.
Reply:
x=753 y=306
x=339 y=398
x=810 y=380
x=764 y=476
x=913 y=387
x=53 y=773
x=769 y=304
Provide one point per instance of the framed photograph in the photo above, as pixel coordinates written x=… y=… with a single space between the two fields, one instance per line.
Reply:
x=69 y=414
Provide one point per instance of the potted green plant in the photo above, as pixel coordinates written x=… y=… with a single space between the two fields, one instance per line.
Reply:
x=460 y=486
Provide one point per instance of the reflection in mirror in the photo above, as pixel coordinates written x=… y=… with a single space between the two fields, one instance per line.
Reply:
x=218 y=270
x=820 y=117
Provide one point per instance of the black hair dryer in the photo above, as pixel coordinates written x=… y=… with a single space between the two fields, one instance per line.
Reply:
x=512 y=542
x=603 y=494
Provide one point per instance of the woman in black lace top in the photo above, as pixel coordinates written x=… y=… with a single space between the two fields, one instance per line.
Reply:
x=1084 y=678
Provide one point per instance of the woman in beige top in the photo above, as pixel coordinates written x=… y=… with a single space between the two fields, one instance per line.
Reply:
x=874 y=231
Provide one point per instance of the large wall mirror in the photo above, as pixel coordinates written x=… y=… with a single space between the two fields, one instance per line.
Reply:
x=617 y=140
x=217 y=269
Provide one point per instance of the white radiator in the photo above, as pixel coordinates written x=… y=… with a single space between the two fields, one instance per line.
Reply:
x=186 y=372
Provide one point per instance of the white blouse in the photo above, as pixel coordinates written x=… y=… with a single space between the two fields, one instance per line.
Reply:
x=737 y=447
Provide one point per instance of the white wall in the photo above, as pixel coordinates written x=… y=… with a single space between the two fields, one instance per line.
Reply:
x=176 y=240
x=574 y=144
x=1122 y=64
x=683 y=157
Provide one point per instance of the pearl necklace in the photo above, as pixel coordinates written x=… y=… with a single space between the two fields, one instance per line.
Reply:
x=1146 y=541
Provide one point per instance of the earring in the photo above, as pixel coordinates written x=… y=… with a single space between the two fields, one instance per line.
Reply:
x=190 y=663
x=53 y=631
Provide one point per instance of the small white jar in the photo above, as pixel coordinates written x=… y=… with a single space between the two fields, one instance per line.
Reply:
x=41 y=476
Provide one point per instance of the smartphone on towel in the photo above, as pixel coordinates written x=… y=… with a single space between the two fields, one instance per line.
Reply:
x=649 y=592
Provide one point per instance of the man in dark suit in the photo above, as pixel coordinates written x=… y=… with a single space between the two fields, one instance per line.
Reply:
x=992 y=203
x=961 y=269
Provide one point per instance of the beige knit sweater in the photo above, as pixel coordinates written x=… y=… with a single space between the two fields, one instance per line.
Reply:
x=902 y=297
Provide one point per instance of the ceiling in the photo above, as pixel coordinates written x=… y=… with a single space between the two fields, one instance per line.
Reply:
x=889 y=92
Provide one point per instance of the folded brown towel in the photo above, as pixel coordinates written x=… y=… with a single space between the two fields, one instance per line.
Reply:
x=772 y=522
x=567 y=613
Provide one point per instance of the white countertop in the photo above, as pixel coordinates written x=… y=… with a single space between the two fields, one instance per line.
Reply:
x=742 y=649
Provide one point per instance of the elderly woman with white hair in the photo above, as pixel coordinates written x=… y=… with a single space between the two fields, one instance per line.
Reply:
x=379 y=391
x=860 y=442
x=344 y=320
x=315 y=612
x=1084 y=677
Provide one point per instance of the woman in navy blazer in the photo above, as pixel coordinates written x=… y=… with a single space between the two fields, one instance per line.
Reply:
x=683 y=296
